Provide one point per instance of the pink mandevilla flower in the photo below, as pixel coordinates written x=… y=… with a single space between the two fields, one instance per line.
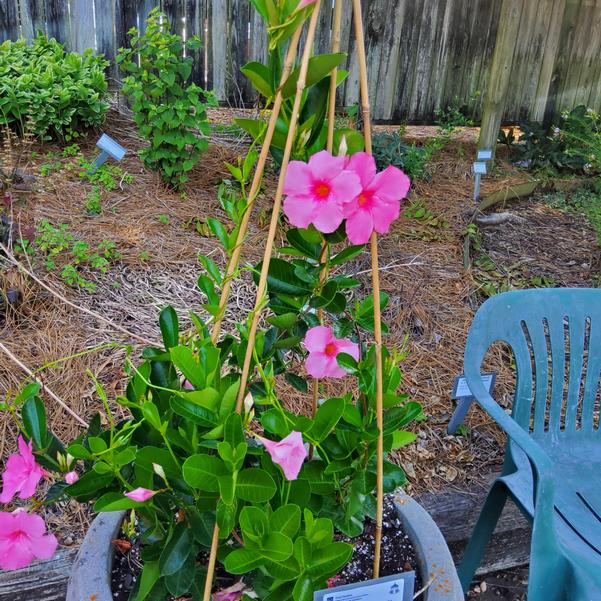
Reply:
x=323 y=348
x=23 y=538
x=316 y=191
x=141 y=494
x=289 y=453
x=71 y=477
x=22 y=474
x=378 y=203
x=231 y=593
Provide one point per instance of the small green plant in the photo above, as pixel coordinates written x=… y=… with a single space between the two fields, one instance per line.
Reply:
x=389 y=149
x=107 y=176
x=93 y=203
x=50 y=167
x=59 y=93
x=164 y=219
x=144 y=256
x=169 y=112
x=455 y=114
x=583 y=201
x=70 y=151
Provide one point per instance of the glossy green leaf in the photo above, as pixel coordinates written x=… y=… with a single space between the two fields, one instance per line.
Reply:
x=303 y=589
x=116 y=501
x=320 y=66
x=282 y=279
x=34 y=421
x=177 y=550
x=203 y=472
x=347 y=254
x=195 y=413
x=286 y=519
x=169 y=325
x=241 y=561
x=326 y=418
x=260 y=76
x=180 y=582
x=255 y=486
x=148 y=578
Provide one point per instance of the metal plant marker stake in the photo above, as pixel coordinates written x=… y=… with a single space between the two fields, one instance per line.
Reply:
x=109 y=148
x=463 y=395
x=480 y=169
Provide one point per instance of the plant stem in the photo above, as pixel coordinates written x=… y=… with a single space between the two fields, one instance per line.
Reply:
x=375 y=275
x=232 y=265
x=262 y=285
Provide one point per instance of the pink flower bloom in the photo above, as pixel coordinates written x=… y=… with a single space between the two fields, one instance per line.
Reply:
x=21 y=475
x=71 y=477
x=378 y=203
x=141 y=494
x=231 y=593
x=323 y=348
x=316 y=191
x=187 y=385
x=289 y=453
x=23 y=538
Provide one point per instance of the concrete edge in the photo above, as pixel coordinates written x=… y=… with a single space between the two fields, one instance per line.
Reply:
x=434 y=557
x=91 y=575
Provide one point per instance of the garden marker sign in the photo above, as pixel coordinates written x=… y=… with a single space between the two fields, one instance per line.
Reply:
x=463 y=395
x=480 y=170
x=108 y=148
x=391 y=588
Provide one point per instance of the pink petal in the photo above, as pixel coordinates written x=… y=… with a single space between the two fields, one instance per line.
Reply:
x=332 y=369
x=324 y=166
x=345 y=187
x=344 y=345
x=18 y=555
x=140 y=494
x=317 y=338
x=391 y=184
x=30 y=523
x=327 y=217
x=71 y=477
x=364 y=166
x=316 y=365
x=299 y=180
x=383 y=214
x=25 y=449
x=29 y=485
x=359 y=227
x=299 y=210
x=304 y=3
x=45 y=546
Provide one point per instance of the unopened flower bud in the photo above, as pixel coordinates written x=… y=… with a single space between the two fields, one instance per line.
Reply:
x=159 y=471
x=343 y=148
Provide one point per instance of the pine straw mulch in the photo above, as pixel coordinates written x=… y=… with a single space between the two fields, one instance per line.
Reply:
x=431 y=297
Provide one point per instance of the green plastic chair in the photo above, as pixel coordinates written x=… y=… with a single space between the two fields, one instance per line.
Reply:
x=552 y=468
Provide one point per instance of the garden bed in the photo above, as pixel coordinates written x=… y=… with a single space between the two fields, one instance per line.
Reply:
x=159 y=235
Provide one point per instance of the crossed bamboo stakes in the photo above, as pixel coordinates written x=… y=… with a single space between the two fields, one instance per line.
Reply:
x=233 y=263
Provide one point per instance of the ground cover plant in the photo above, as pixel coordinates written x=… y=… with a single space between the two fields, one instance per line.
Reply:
x=170 y=112
x=50 y=92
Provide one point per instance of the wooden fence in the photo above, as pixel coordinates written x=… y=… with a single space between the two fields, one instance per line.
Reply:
x=423 y=54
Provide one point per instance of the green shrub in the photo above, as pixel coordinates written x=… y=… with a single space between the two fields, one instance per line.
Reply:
x=389 y=149
x=56 y=93
x=168 y=111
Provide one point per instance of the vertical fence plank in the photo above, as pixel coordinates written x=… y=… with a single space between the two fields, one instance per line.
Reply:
x=57 y=20
x=33 y=17
x=9 y=20
x=195 y=25
x=82 y=25
x=220 y=46
x=176 y=14
x=241 y=92
x=107 y=15
x=323 y=33
x=589 y=56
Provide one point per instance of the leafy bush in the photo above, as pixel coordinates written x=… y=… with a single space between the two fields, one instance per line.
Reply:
x=389 y=149
x=571 y=146
x=57 y=93
x=168 y=111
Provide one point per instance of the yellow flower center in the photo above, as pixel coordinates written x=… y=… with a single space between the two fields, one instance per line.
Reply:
x=362 y=199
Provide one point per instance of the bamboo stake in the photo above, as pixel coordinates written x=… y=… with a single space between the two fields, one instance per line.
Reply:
x=329 y=147
x=261 y=288
x=270 y=237
x=375 y=274
x=256 y=183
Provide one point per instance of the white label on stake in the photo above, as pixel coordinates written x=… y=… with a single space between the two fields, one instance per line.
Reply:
x=380 y=591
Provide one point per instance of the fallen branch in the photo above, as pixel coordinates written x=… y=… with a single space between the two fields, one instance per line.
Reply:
x=11 y=258
x=498 y=219
x=53 y=395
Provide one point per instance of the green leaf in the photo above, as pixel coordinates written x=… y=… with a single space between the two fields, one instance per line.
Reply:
x=177 y=550
x=284 y=322
x=203 y=472
x=303 y=589
x=255 y=486
x=394 y=476
x=347 y=254
x=320 y=66
x=226 y=518
x=115 y=501
x=308 y=242
x=260 y=76
x=347 y=362
x=89 y=484
x=184 y=360
x=253 y=522
x=180 y=582
x=297 y=382
x=327 y=560
x=402 y=439
x=313 y=472
x=241 y=561
x=281 y=279
x=34 y=421
x=326 y=418
x=195 y=413
x=30 y=390
x=219 y=230
x=397 y=417
x=151 y=414
x=169 y=325
x=276 y=547
x=233 y=431
x=286 y=519
x=148 y=578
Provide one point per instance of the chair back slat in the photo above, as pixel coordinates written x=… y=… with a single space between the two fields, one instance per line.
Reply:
x=557 y=364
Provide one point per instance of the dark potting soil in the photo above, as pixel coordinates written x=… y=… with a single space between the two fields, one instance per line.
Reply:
x=397 y=555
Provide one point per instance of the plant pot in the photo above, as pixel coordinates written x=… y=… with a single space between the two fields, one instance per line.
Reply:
x=434 y=558
x=91 y=574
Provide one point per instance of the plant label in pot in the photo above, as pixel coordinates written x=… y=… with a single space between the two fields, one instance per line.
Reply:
x=399 y=587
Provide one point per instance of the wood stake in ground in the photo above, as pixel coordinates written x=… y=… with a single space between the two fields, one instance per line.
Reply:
x=375 y=275
x=232 y=264
x=270 y=237
x=262 y=285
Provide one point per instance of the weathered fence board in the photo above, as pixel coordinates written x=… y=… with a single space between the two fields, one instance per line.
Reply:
x=423 y=55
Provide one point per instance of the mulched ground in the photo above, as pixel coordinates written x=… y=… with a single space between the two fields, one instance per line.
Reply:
x=432 y=296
